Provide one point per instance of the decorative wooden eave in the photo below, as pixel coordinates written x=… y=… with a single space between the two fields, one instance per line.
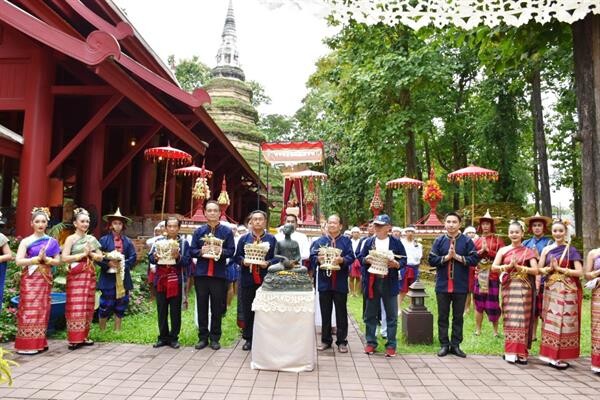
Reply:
x=97 y=47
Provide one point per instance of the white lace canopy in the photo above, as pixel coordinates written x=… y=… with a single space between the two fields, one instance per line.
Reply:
x=465 y=14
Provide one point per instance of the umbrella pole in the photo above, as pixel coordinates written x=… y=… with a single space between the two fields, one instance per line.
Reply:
x=472 y=202
x=192 y=199
x=405 y=206
x=162 y=210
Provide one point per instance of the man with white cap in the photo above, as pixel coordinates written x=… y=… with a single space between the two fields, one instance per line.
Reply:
x=396 y=232
x=414 y=253
x=380 y=289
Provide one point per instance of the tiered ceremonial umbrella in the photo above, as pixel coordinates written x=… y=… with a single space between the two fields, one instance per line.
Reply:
x=193 y=171
x=310 y=197
x=473 y=173
x=170 y=154
x=405 y=183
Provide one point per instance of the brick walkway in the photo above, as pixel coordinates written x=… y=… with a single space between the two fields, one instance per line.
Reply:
x=124 y=371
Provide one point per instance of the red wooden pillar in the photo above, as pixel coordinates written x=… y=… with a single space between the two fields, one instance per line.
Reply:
x=147 y=182
x=37 y=135
x=171 y=188
x=93 y=172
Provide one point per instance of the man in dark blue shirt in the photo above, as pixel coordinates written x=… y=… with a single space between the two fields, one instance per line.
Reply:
x=452 y=254
x=252 y=275
x=382 y=290
x=210 y=278
x=168 y=282
x=333 y=285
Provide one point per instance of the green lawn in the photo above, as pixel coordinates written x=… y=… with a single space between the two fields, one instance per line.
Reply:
x=484 y=344
x=143 y=328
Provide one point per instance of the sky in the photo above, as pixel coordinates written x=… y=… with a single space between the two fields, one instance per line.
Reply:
x=279 y=41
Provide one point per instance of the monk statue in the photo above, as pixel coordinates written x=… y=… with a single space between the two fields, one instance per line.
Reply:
x=288 y=250
x=288 y=274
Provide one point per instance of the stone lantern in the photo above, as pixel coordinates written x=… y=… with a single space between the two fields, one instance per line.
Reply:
x=417 y=321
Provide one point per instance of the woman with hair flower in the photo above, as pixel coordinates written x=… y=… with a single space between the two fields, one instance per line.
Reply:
x=36 y=254
x=561 y=309
x=80 y=251
x=518 y=265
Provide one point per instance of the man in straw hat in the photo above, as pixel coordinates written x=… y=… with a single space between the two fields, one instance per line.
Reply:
x=115 y=291
x=538 y=226
x=451 y=254
x=382 y=289
x=487 y=283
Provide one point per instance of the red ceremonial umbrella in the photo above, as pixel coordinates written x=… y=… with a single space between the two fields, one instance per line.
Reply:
x=474 y=173
x=170 y=154
x=193 y=171
x=405 y=183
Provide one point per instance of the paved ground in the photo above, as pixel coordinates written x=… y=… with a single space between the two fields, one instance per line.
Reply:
x=123 y=371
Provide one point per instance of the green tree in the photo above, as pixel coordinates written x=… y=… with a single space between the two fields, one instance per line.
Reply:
x=191 y=73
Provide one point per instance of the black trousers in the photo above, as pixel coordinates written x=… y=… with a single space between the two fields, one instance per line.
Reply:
x=444 y=302
x=214 y=290
x=248 y=294
x=168 y=307
x=326 y=301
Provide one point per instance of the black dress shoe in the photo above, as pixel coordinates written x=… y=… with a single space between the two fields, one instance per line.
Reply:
x=247 y=346
x=215 y=345
x=160 y=343
x=174 y=344
x=443 y=351
x=201 y=344
x=457 y=351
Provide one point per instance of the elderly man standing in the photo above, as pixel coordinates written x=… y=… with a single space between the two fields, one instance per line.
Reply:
x=382 y=289
x=333 y=285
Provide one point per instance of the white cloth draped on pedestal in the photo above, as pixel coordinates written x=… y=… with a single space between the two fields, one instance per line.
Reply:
x=284 y=331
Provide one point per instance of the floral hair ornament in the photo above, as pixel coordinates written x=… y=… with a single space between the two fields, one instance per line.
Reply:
x=45 y=211
x=80 y=211
x=518 y=222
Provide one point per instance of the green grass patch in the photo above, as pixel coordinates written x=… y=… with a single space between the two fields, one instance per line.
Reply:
x=143 y=328
x=486 y=343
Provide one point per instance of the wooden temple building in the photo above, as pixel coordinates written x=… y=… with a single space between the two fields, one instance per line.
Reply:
x=82 y=95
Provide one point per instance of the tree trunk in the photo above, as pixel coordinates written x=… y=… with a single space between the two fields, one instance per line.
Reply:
x=536 y=181
x=586 y=49
x=389 y=202
x=540 y=141
x=411 y=172
x=576 y=191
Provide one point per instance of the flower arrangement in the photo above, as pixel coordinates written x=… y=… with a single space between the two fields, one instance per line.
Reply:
x=432 y=193
x=223 y=199
x=201 y=190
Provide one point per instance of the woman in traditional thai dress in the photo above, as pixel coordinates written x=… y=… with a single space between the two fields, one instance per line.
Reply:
x=592 y=274
x=5 y=256
x=36 y=255
x=561 y=309
x=518 y=265
x=79 y=252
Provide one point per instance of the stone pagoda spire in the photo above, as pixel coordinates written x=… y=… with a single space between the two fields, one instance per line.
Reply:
x=228 y=63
